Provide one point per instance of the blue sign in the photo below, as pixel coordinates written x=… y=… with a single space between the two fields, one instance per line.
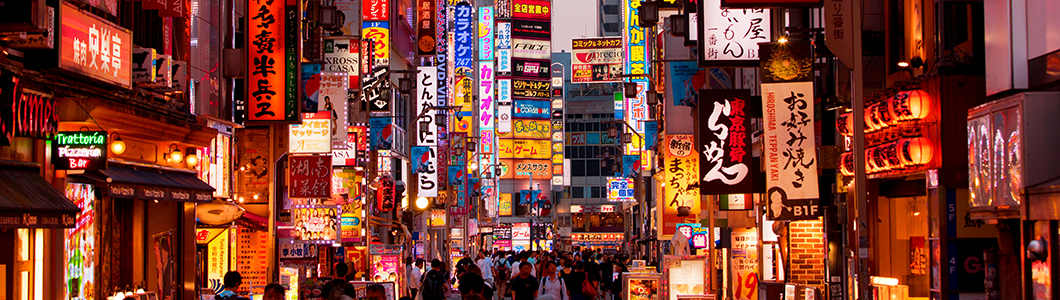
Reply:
x=421 y=157
x=379 y=131
x=630 y=166
x=464 y=37
x=532 y=109
x=440 y=33
x=456 y=176
x=651 y=134
x=686 y=79
x=527 y=196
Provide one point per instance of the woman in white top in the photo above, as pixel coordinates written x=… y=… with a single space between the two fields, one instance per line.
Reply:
x=551 y=283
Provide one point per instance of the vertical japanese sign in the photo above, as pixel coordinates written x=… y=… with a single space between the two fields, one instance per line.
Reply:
x=426 y=80
x=504 y=105
x=731 y=36
x=376 y=10
x=464 y=36
x=681 y=195
x=504 y=9
x=425 y=38
x=504 y=47
x=636 y=48
x=426 y=170
x=309 y=176
x=486 y=108
x=441 y=33
x=557 y=125
x=485 y=33
x=744 y=263
x=267 y=67
x=790 y=150
x=726 y=164
x=385 y=195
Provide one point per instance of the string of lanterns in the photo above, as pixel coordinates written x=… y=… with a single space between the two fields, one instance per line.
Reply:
x=904 y=153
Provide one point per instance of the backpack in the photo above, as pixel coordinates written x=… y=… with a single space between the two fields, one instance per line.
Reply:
x=433 y=286
x=587 y=287
x=502 y=270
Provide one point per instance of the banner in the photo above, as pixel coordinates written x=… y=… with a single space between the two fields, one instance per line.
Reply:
x=385 y=195
x=718 y=44
x=456 y=176
x=425 y=39
x=309 y=176
x=527 y=197
x=529 y=129
x=596 y=60
x=686 y=80
x=381 y=135
x=726 y=165
x=532 y=109
x=376 y=10
x=540 y=169
x=426 y=92
x=682 y=181
x=527 y=48
x=504 y=47
x=485 y=33
x=533 y=149
x=630 y=166
x=532 y=9
x=426 y=162
x=316 y=224
x=344 y=55
x=504 y=208
x=442 y=61
x=531 y=29
x=333 y=89
x=464 y=35
x=788 y=107
x=745 y=263
x=486 y=103
x=532 y=89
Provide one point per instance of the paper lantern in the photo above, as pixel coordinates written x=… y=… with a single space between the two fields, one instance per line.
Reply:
x=915 y=151
x=846 y=163
x=870 y=126
x=844 y=125
x=886 y=114
x=870 y=164
x=911 y=105
x=889 y=152
x=879 y=159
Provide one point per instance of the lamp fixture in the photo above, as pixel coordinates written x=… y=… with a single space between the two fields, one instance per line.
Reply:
x=653 y=98
x=629 y=89
x=627 y=138
x=648 y=13
x=782 y=39
x=679 y=25
x=405 y=85
x=117 y=146
x=422 y=203
x=439 y=119
x=470 y=144
x=192 y=158
x=175 y=156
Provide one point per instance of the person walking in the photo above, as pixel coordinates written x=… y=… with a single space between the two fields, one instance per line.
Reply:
x=577 y=281
x=524 y=286
x=413 y=276
x=485 y=264
x=435 y=284
x=501 y=275
x=231 y=280
x=551 y=283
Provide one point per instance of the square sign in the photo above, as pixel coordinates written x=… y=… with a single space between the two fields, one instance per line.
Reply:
x=620 y=189
x=730 y=37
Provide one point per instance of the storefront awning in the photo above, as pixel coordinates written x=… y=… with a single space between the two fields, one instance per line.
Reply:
x=153 y=184
x=28 y=201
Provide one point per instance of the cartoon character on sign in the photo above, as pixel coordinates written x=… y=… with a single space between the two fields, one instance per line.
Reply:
x=386 y=138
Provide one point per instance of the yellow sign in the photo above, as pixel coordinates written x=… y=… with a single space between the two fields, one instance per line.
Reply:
x=682 y=174
x=464 y=89
x=505 y=207
x=529 y=129
x=523 y=168
x=437 y=218
x=538 y=149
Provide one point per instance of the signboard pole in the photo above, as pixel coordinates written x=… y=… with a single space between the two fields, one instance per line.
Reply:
x=857 y=79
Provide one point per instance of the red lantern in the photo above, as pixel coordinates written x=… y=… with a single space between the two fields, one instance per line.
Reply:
x=886 y=114
x=844 y=125
x=870 y=164
x=890 y=156
x=915 y=151
x=911 y=105
x=870 y=125
x=846 y=163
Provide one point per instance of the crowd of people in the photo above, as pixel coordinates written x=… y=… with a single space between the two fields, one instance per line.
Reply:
x=527 y=275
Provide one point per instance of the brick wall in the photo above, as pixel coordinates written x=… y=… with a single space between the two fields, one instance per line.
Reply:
x=807 y=254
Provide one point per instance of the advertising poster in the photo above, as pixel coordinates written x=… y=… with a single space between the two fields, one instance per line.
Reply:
x=596 y=60
x=309 y=176
x=686 y=276
x=385 y=268
x=744 y=264
x=620 y=189
x=318 y=224
x=311 y=87
x=333 y=88
x=642 y=289
x=351 y=220
x=426 y=169
x=529 y=129
x=682 y=183
x=80 y=243
x=351 y=11
x=505 y=207
x=532 y=109
x=380 y=133
x=344 y=55
x=533 y=149
x=686 y=79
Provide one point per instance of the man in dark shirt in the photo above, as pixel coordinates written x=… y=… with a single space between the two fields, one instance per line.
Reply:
x=524 y=286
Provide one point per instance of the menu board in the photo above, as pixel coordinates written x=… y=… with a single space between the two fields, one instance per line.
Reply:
x=252 y=260
x=80 y=243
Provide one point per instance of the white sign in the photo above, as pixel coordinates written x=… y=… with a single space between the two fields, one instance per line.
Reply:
x=343 y=57
x=312 y=136
x=521 y=231
x=504 y=47
x=504 y=118
x=525 y=48
x=790 y=153
x=731 y=34
x=486 y=103
x=426 y=94
x=592 y=208
x=333 y=90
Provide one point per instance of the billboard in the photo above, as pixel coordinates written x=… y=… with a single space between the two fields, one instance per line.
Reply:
x=533 y=149
x=91 y=46
x=718 y=44
x=539 y=169
x=485 y=33
x=596 y=60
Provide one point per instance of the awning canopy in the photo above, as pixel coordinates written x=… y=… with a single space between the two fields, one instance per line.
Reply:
x=28 y=201
x=154 y=184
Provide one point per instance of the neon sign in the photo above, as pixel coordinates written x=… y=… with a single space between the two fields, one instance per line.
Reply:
x=80 y=150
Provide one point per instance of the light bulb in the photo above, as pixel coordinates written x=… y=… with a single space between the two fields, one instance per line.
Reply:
x=117 y=146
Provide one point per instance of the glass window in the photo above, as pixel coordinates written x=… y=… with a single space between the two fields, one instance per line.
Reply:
x=592 y=168
x=577 y=192
x=577 y=168
x=596 y=192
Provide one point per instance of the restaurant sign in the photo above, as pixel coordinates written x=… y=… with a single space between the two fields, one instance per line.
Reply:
x=309 y=176
x=80 y=150
x=93 y=47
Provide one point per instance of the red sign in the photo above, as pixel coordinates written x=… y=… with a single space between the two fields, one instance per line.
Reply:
x=94 y=47
x=376 y=10
x=265 y=77
x=770 y=3
x=309 y=176
x=532 y=9
x=425 y=28
x=385 y=195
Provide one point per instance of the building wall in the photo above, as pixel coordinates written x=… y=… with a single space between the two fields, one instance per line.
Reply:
x=807 y=253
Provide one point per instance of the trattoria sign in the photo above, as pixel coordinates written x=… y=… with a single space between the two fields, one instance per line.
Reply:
x=94 y=47
x=80 y=150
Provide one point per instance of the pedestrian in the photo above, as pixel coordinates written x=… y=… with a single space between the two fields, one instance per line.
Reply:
x=501 y=275
x=231 y=281
x=375 y=291
x=606 y=276
x=578 y=283
x=413 y=275
x=524 y=257
x=461 y=265
x=524 y=286
x=474 y=274
x=485 y=264
x=435 y=283
x=274 y=291
x=616 y=286
x=551 y=283
x=350 y=292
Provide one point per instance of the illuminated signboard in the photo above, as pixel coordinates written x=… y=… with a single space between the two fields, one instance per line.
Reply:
x=80 y=150
x=717 y=43
x=529 y=129
x=526 y=168
x=94 y=47
x=316 y=224
x=80 y=242
x=532 y=89
x=312 y=136
x=269 y=96
x=620 y=189
x=535 y=149
x=485 y=33
x=596 y=60
x=464 y=37
x=532 y=9
x=309 y=176
x=376 y=10
x=505 y=206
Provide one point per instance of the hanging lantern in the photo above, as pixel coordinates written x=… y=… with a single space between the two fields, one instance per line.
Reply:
x=915 y=151
x=886 y=114
x=911 y=105
x=844 y=125
x=846 y=163
x=889 y=152
x=870 y=164
x=870 y=125
x=872 y=113
x=879 y=159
